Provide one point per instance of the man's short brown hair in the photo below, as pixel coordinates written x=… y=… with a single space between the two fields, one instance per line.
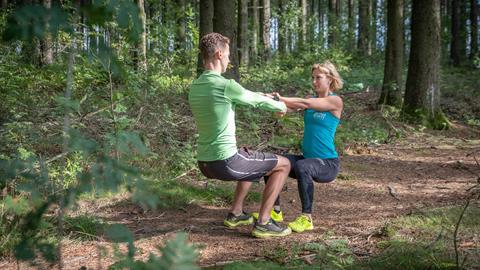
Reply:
x=210 y=43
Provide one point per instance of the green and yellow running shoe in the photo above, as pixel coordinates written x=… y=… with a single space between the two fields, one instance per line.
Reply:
x=278 y=217
x=233 y=221
x=301 y=223
x=270 y=229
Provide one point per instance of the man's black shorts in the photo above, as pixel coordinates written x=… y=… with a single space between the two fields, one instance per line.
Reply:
x=245 y=165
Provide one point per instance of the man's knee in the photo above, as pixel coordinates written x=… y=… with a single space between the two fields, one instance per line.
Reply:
x=283 y=165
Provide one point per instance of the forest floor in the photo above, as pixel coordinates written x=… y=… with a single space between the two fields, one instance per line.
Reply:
x=379 y=183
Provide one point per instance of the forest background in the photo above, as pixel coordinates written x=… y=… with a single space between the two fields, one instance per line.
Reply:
x=94 y=107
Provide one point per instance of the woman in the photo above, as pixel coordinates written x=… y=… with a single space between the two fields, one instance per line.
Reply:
x=319 y=161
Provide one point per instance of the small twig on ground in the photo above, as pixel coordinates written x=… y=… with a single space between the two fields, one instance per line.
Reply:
x=279 y=147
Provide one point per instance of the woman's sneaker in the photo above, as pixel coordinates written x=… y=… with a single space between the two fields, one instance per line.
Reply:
x=277 y=216
x=270 y=229
x=233 y=221
x=301 y=223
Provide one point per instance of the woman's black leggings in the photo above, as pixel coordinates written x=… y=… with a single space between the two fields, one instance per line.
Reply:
x=308 y=170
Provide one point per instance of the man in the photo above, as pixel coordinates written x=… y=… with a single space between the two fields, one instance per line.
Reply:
x=212 y=100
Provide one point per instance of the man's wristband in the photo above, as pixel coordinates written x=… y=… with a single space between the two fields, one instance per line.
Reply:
x=276 y=98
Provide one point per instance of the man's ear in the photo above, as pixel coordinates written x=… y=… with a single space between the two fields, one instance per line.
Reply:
x=218 y=54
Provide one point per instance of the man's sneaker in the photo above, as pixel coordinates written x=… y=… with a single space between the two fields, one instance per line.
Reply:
x=278 y=217
x=301 y=223
x=271 y=229
x=232 y=221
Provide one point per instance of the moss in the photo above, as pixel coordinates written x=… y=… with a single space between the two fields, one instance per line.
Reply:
x=422 y=116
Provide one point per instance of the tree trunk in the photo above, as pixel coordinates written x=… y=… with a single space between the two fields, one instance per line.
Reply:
x=302 y=40
x=351 y=24
x=46 y=44
x=243 y=32
x=474 y=29
x=463 y=30
x=445 y=17
x=3 y=4
x=206 y=26
x=281 y=28
x=392 y=76
x=373 y=29
x=266 y=31
x=224 y=22
x=180 y=26
x=422 y=93
x=332 y=23
x=312 y=13
x=141 y=50
x=255 y=26
x=363 y=27
x=455 y=40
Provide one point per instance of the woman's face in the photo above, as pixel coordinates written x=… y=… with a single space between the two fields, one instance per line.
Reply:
x=320 y=81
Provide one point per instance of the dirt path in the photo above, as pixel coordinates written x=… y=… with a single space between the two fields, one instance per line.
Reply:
x=382 y=182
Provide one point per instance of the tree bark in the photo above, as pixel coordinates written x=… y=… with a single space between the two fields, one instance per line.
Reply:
x=206 y=26
x=422 y=93
x=180 y=26
x=3 y=4
x=266 y=31
x=363 y=27
x=455 y=40
x=302 y=41
x=392 y=80
x=332 y=23
x=141 y=50
x=255 y=30
x=373 y=29
x=474 y=29
x=243 y=32
x=224 y=22
x=351 y=24
x=46 y=44
x=282 y=34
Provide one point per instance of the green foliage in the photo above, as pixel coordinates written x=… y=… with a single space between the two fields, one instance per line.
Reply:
x=360 y=129
x=176 y=254
x=178 y=194
x=83 y=227
x=406 y=255
x=36 y=21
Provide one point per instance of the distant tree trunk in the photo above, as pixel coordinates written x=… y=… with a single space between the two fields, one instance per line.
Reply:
x=463 y=30
x=141 y=50
x=455 y=40
x=312 y=13
x=363 y=27
x=474 y=29
x=351 y=24
x=302 y=40
x=243 y=32
x=46 y=45
x=224 y=22
x=255 y=26
x=392 y=76
x=281 y=28
x=206 y=26
x=445 y=17
x=180 y=26
x=3 y=4
x=266 y=31
x=422 y=93
x=332 y=23
x=373 y=29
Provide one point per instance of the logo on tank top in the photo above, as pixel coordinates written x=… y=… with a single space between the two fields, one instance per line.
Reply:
x=319 y=116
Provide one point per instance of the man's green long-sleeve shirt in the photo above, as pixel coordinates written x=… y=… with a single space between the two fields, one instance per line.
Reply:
x=212 y=100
